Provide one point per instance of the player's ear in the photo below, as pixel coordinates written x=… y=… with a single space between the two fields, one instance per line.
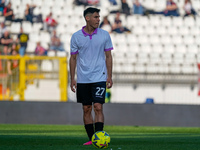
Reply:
x=87 y=18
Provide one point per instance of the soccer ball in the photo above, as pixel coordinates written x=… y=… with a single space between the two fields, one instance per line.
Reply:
x=100 y=139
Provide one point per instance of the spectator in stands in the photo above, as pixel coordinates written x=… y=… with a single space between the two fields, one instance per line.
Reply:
x=125 y=7
x=138 y=8
x=120 y=29
x=56 y=44
x=105 y=24
x=39 y=50
x=8 y=13
x=22 y=39
x=14 y=47
x=3 y=28
x=117 y=20
x=93 y=2
x=189 y=10
x=113 y=2
x=50 y=23
x=2 y=5
x=29 y=12
x=12 y=64
x=81 y=2
x=6 y=40
x=170 y=10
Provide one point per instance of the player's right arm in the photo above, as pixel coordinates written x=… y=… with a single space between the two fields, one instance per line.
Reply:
x=72 y=65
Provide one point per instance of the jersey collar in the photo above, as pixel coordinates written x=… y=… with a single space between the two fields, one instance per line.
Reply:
x=87 y=34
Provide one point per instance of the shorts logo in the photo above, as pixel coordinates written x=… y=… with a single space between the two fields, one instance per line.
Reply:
x=99 y=91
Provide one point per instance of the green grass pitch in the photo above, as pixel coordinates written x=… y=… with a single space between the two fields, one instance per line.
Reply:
x=71 y=137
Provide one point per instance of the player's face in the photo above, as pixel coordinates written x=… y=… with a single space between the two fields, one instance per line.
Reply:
x=94 y=20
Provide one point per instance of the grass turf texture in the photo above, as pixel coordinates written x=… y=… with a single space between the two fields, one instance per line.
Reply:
x=68 y=137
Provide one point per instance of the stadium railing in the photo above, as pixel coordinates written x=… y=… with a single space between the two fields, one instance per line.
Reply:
x=30 y=69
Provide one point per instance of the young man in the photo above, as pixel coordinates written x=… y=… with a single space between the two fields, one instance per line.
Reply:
x=91 y=54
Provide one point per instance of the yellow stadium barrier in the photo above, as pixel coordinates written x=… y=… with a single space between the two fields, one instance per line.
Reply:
x=27 y=71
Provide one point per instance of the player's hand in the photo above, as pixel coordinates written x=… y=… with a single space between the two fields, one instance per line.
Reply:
x=73 y=86
x=109 y=83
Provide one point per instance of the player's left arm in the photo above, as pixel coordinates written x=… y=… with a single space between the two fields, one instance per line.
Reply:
x=109 y=68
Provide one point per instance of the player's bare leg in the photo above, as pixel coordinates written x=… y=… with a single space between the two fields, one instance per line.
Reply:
x=99 y=117
x=88 y=121
x=87 y=114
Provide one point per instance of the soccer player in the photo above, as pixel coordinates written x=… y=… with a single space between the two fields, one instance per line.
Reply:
x=91 y=55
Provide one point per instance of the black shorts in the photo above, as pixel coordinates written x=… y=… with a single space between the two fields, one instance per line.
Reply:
x=88 y=93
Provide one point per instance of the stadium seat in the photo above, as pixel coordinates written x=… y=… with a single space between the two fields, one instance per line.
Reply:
x=197 y=39
x=166 y=21
x=45 y=37
x=61 y=53
x=131 y=39
x=27 y=27
x=130 y=57
x=65 y=38
x=165 y=39
x=177 y=39
x=149 y=4
x=178 y=58
x=57 y=10
x=183 y=30
x=143 y=39
x=189 y=21
x=177 y=21
x=150 y=30
x=138 y=30
x=34 y=37
x=60 y=29
x=59 y=3
x=133 y=48
x=15 y=2
x=78 y=10
x=36 y=27
x=155 y=58
x=196 y=4
x=163 y=68
x=51 y=53
x=154 y=39
x=189 y=39
x=63 y=20
x=175 y=69
x=140 y=68
x=120 y=39
x=161 y=30
x=24 y=2
x=46 y=65
x=187 y=68
x=37 y=3
x=143 y=21
x=37 y=11
x=167 y=54
x=131 y=21
x=172 y=30
x=152 y=68
x=160 y=5
x=195 y=30
x=154 y=20
x=127 y=68
x=15 y=27
x=45 y=10
x=49 y=3
x=31 y=47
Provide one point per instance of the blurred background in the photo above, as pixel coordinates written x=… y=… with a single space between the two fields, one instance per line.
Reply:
x=155 y=57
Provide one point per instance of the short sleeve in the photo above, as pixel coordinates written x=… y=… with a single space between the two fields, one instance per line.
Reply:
x=73 y=45
x=108 y=43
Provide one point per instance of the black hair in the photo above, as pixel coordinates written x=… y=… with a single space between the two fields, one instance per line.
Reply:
x=90 y=10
